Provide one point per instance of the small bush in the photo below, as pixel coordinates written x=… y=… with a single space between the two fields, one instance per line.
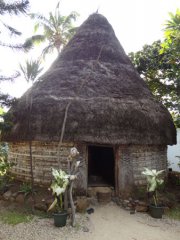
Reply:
x=26 y=188
x=5 y=166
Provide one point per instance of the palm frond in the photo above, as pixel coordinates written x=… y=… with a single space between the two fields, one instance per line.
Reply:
x=31 y=69
x=41 y=19
x=67 y=24
x=48 y=49
x=14 y=8
x=53 y=21
x=14 y=46
x=57 y=30
x=36 y=39
x=36 y=27
x=11 y=30
x=9 y=78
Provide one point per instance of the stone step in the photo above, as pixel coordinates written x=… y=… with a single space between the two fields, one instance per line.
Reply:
x=102 y=194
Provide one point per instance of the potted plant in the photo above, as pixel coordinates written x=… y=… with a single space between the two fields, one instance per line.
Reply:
x=63 y=183
x=58 y=187
x=154 y=181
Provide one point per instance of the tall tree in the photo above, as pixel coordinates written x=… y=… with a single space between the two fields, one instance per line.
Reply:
x=159 y=65
x=56 y=30
x=172 y=35
x=171 y=45
x=15 y=8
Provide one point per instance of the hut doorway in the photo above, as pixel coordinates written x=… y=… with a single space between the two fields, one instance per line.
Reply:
x=101 y=166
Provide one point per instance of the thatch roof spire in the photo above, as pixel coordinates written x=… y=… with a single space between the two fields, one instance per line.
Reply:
x=110 y=103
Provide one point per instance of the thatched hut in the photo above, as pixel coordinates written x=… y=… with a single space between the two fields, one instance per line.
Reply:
x=109 y=114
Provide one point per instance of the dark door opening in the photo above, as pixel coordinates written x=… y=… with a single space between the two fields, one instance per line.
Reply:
x=100 y=166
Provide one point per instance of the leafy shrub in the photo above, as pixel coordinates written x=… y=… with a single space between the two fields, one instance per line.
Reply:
x=26 y=188
x=5 y=166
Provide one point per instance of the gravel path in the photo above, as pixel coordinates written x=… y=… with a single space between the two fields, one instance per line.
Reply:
x=108 y=222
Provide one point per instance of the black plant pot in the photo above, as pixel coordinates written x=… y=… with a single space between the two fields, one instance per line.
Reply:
x=60 y=219
x=156 y=211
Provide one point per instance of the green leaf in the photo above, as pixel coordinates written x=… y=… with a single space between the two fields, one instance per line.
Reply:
x=52 y=206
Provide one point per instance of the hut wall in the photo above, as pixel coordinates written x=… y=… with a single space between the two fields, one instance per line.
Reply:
x=44 y=158
x=131 y=161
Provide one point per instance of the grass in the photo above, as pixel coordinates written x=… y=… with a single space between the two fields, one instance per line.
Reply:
x=174 y=213
x=41 y=214
x=14 y=218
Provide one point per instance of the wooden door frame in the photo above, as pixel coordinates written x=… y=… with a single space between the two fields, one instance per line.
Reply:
x=115 y=153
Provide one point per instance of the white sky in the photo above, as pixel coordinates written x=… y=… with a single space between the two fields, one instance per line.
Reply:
x=135 y=22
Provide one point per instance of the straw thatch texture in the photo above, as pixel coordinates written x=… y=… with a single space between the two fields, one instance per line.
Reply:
x=109 y=102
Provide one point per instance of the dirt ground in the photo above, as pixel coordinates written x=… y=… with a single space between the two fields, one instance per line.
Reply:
x=108 y=222
x=112 y=222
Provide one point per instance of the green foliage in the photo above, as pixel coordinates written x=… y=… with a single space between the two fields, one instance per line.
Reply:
x=58 y=186
x=26 y=188
x=159 y=65
x=4 y=151
x=14 y=218
x=174 y=213
x=161 y=75
x=6 y=122
x=13 y=9
x=5 y=166
x=154 y=181
x=56 y=30
x=31 y=69
x=172 y=35
x=174 y=178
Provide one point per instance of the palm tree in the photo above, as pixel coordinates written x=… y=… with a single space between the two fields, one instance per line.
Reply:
x=174 y=22
x=57 y=30
x=31 y=70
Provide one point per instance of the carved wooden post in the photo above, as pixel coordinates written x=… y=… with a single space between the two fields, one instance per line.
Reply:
x=73 y=167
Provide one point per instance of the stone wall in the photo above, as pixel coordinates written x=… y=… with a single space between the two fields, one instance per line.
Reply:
x=44 y=158
x=131 y=161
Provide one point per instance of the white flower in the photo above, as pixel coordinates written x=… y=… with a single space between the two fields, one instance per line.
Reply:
x=59 y=190
x=60 y=183
x=55 y=173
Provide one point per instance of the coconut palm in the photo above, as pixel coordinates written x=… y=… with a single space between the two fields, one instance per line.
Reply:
x=31 y=69
x=57 y=30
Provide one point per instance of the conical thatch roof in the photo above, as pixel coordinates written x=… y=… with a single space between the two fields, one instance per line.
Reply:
x=109 y=102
